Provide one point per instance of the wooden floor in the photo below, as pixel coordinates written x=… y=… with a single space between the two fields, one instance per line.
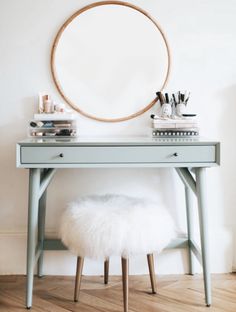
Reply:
x=177 y=293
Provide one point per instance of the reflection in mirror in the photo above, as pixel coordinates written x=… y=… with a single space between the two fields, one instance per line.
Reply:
x=109 y=60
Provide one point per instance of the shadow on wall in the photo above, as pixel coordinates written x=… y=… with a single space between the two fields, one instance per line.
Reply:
x=227 y=124
x=13 y=191
x=153 y=183
x=227 y=132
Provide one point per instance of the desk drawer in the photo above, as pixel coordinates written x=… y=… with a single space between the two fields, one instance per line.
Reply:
x=117 y=154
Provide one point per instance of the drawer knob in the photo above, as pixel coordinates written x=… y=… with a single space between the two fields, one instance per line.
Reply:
x=175 y=154
x=61 y=155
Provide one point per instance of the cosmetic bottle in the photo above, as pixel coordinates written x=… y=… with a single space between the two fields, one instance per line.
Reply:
x=47 y=105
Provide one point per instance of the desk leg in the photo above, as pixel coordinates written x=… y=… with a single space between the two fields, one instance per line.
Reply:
x=202 y=212
x=189 y=215
x=34 y=184
x=41 y=230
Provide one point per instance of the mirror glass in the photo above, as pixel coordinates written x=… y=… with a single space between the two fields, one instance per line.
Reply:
x=109 y=60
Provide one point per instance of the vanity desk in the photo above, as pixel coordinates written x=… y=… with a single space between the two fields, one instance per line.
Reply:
x=188 y=156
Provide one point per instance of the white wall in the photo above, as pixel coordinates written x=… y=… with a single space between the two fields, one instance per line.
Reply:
x=202 y=38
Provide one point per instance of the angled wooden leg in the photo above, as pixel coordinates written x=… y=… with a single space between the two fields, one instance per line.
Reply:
x=150 y=259
x=202 y=212
x=125 y=280
x=41 y=230
x=79 y=269
x=190 y=223
x=106 y=271
x=33 y=204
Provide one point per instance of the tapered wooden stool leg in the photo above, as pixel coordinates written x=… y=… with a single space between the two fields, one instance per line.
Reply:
x=106 y=271
x=150 y=259
x=79 y=269
x=125 y=280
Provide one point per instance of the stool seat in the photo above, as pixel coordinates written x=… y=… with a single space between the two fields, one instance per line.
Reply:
x=100 y=226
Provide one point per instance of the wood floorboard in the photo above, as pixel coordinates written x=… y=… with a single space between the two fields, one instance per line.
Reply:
x=176 y=293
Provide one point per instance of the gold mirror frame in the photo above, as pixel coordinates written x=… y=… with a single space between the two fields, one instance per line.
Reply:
x=58 y=36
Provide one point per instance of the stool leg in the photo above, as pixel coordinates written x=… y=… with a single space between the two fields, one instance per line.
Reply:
x=79 y=268
x=150 y=259
x=125 y=280
x=106 y=271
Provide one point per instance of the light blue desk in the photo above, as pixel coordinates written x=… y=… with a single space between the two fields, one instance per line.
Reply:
x=43 y=156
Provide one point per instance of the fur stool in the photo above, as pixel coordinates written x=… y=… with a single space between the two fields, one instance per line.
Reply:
x=103 y=226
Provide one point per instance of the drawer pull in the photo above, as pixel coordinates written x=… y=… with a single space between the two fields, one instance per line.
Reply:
x=61 y=155
x=175 y=154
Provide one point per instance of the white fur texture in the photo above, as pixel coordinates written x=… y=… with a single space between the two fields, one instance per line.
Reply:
x=102 y=226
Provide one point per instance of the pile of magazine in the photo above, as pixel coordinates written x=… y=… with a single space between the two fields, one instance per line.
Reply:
x=185 y=126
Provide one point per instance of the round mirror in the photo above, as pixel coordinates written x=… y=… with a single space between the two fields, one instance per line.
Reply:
x=108 y=60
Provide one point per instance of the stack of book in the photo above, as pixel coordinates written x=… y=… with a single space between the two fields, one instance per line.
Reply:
x=181 y=127
x=53 y=125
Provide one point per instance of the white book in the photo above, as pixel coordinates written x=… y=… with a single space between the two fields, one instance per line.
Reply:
x=174 y=125
x=171 y=123
x=175 y=121
x=55 y=116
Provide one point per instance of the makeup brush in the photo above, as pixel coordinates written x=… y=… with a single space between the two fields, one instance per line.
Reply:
x=160 y=97
x=186 y=100
x=167 y=98
x=174 y=99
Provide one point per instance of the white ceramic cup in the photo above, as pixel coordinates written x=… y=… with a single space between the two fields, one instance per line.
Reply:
x=166 y=110
x=180 y=109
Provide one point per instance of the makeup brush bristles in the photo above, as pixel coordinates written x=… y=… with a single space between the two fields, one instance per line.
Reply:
x=174 y=98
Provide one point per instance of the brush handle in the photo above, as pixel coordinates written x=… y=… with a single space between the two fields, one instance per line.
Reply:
x=161 y=98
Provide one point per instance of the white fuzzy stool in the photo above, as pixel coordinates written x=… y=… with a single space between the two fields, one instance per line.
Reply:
x=103 y=226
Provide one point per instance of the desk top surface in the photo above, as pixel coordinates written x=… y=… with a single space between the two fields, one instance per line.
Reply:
x=116 y=141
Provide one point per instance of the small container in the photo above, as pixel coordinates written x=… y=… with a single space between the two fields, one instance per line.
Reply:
x=57 y=108
x=180 y=109
x=48 y=105
x=53 y=125
x=166 y=110
x=62 y=108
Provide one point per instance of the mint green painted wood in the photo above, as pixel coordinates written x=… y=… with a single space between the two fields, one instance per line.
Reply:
x=187 y=178
x=196 y=251
x=46 y=179
x=34 y=182
x=202 y=212
x=190 y=224
x=41 y=230
x=177 y=243
x=38 y=252
x=56 y=244
x=113 y=152
x=116 y=165
x=218 y=153
x=117 y=141
x=117 y=154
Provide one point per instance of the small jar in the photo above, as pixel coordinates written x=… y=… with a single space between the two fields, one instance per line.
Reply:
x=180 y=109
x=60 y=108
x=166 y=110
